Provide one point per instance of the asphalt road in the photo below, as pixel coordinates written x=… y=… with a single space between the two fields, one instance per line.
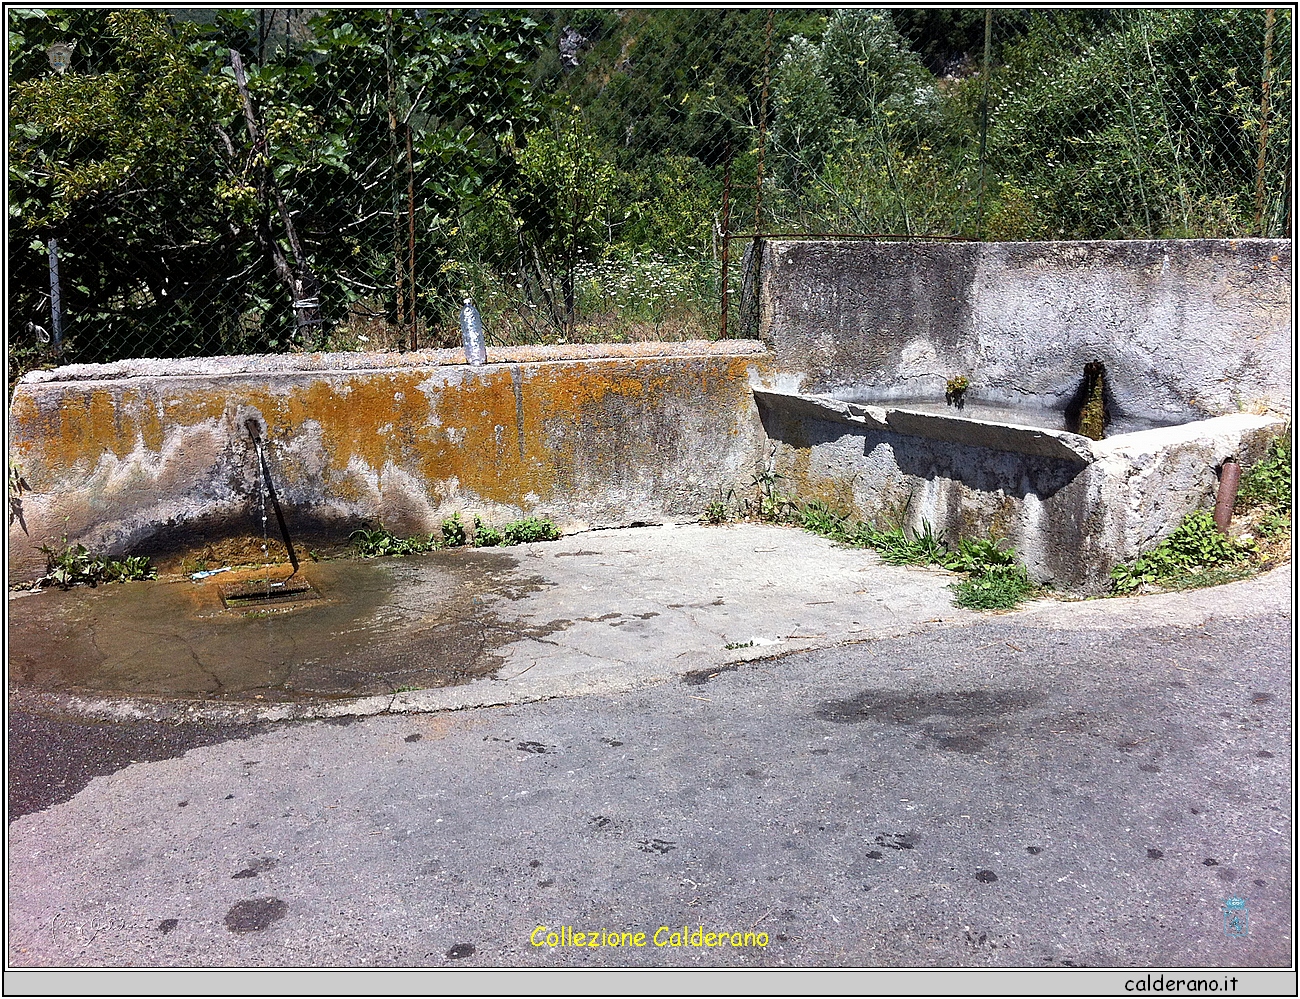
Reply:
x=1082 y=788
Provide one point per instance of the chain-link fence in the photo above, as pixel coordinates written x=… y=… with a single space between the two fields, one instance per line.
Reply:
x=203 y=182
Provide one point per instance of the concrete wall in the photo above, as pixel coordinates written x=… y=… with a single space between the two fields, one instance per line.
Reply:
x=141 y=454
x=1186 y=328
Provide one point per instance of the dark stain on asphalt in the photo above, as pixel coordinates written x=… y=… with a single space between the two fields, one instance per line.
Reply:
x=460 y=951
x=599 y=821
x=1210 y=862
x=987 y=877
x=967 y=742
x=660 y=846
x=258 y=866
x=1264 y=754
x=254 y=914
x=699 y=677
x=413 y=737
x=1034 y=850
x=167 y=925
x=875 y=855
x=897 y=841
x=549 y=882
x=52 y=759
x=534 y=863
x=1154 y=854
x=534 y=747
x=975 y=712
x=611 y=742
x=907 y=709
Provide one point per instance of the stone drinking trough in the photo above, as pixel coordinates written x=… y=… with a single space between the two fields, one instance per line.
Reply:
x=1193 y=336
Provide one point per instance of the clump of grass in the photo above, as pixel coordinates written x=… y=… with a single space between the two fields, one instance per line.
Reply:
x=718 y=509
x=994 y=587
x=995 y=577
x=897 y=547
x=75 y=565
x=1196 y=554
x=379 y=541
x=816 y=516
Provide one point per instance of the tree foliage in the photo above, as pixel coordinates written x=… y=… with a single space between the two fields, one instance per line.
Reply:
x=376 y=164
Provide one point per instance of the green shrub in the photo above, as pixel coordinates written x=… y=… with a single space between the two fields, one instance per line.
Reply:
x=1195 y=546
x=522 y=532
x=76 y=565
x=453 y=531
x=379 y=541
x=1268 y=482
x=484 y=536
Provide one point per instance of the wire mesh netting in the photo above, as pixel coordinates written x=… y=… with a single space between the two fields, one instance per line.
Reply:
x=244 y=181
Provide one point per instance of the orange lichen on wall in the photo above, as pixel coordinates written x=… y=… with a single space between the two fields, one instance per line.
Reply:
x=590 y=439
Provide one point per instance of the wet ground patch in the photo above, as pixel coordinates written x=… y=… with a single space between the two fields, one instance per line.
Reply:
x=51 y=759
x=374 y=627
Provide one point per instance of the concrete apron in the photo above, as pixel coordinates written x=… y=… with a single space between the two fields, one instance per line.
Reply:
x=600 y=612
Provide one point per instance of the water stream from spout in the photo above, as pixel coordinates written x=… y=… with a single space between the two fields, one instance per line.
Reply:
x=267 y=491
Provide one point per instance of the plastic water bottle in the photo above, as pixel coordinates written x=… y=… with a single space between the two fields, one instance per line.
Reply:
x=471 y=334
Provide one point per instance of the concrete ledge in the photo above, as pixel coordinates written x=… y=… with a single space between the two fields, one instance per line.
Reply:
x=261 y=364
x=137 y=454
x=956 y=429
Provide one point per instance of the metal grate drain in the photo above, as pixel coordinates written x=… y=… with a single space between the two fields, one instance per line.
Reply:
x=261 y=593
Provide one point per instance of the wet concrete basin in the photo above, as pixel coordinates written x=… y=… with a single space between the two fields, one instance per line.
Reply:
x=373 y=627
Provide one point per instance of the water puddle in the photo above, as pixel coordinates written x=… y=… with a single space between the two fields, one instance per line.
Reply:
x=333 y=630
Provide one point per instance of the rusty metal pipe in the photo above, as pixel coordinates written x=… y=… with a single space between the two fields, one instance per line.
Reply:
x=1229 y=479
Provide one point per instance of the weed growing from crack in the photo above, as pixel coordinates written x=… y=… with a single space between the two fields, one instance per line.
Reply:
x=379 y=541
x=75 y=565
x=995 y=577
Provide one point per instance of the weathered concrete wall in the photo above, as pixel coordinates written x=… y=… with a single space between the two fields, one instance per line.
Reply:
x=136 y=454
x=1186 y=328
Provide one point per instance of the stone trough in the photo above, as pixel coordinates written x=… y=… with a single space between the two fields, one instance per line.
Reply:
x=1193 y=339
